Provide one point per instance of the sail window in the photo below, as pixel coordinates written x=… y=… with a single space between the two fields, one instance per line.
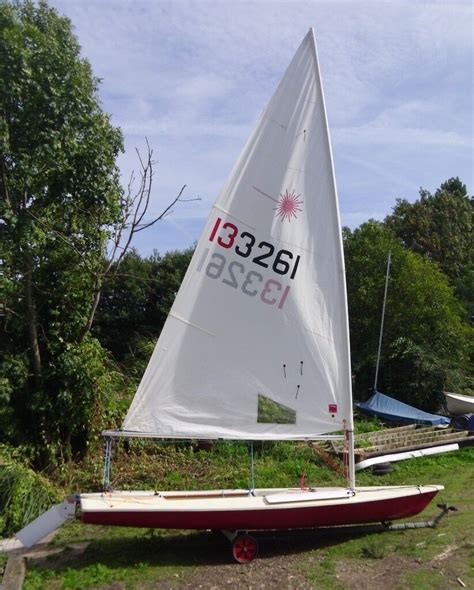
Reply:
x=271 y=412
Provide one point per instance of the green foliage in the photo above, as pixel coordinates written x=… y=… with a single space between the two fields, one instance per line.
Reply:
x=59 y=195
x=367 y=425
x=425 y=345
x=80 y=383
x=135 y=303
x=169 y=275
x=136 y=360
x=122 y=313
x=144 y=464
x=440 y=226
x=24 y=495
x=13 y=376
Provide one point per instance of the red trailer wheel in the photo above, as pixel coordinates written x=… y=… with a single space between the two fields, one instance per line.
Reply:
x=244 y=548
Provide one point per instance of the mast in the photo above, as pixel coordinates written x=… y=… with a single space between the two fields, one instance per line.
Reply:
x=382 y=321
x=351 y=458
x=348 y=426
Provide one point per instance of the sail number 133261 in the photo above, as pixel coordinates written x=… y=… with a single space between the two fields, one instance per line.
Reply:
x=261 y=253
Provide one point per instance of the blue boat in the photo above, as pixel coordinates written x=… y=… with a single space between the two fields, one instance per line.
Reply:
x=392 y=410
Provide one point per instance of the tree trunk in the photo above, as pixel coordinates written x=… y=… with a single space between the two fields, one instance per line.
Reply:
x=90 y=319
x=4 y=194
x=31 y=319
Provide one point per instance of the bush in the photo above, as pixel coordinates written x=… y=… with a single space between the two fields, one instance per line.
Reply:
x=24 y=495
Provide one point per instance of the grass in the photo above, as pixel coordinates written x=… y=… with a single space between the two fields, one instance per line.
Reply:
x=271 y=412
x=456 y=531
x=424 y=579
x=151 y=465
x=128 y=556
x=137 y=558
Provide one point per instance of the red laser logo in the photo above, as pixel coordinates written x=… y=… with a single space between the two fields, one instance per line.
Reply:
x=287 y=204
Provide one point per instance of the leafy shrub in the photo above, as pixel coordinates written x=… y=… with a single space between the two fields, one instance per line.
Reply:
x=24 y=495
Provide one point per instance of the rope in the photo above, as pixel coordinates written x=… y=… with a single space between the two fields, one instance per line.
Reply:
x=329 y=460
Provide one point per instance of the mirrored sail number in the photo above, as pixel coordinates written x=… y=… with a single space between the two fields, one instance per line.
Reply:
x=246 y=245
x=251 y=283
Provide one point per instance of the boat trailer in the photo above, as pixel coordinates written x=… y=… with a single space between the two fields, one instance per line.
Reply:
x=245 y=545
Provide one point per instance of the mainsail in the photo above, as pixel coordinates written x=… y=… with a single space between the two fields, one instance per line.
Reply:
x=256 y=344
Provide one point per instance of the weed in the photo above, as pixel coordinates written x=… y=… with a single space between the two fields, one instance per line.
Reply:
x=373 y=549
x=328 y=565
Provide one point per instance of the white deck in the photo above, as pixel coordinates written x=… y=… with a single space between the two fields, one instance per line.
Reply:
x=216 y=500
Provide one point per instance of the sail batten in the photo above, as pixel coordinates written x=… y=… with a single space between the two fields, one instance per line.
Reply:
x=265 y=290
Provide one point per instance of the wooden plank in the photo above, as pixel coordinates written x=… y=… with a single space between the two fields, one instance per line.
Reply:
x=403 y=439
x=14 y=575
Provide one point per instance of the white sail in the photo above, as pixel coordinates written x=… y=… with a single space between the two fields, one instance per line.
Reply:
x=256 y=344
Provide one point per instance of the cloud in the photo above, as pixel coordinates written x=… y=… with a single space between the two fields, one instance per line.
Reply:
x=193 y=76
x=376 y=135
x=356 y=218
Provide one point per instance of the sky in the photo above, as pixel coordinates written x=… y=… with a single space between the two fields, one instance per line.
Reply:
x=193 y=77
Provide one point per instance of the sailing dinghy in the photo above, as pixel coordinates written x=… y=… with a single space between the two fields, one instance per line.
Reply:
x=256 y=345
x=458 y=404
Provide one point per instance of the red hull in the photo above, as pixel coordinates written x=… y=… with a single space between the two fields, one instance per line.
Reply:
x=274 y=518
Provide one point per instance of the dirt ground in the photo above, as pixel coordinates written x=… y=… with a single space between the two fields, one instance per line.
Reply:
x=292 y=561
x=285 y=560
x=285 y=571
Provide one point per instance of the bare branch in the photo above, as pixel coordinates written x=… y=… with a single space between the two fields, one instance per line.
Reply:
x=4 y=310
x=134 y=207
x=163 y=214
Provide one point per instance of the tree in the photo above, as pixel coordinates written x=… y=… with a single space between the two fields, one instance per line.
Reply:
x=169 y=275
x=65 y=227
x=424 y=346
x=121 y=313
x=131 y=221
x=135 y=303
x=59 y=198
x=440 y=227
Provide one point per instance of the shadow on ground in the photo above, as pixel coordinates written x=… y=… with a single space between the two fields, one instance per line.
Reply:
x=196 y=548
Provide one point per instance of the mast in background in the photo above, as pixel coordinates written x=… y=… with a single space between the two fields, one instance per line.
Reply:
x=389 y=260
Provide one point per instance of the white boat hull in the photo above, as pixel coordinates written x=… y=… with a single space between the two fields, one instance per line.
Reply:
x=459 y=404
